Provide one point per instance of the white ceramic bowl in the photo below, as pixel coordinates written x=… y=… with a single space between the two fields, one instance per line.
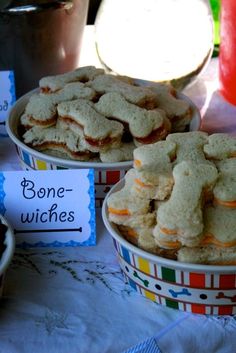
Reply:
x=7 y=255
x=201 y=289
x=106 y=174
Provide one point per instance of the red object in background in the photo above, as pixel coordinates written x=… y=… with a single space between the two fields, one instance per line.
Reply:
x=227 y=56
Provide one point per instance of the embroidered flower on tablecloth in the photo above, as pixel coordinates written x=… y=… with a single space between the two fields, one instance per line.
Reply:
x=52 y=321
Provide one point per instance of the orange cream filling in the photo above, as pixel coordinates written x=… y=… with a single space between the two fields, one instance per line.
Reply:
x=170 y=244
x=210 y=239
x=46 y=122
x=131 y=232
x=156 y=135
x=48 y=90
x=91 y=141
x=45 y=90
x=137 y=163
x=231 y=204
x=140 y=183
x=168 y=231
x=123 y=212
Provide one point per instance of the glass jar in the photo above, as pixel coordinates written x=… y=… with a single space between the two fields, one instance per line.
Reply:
x=40 y=38
x=157 y=40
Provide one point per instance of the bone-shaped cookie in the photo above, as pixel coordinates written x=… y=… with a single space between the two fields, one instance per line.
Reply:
x=225 y=188
x=141 y=96
x=51 y=84
x=99 y=132
x=189 y=146
x=41 y=109
x=175 y=108
x=154 y=170
x=208 y=255
x=71 y=91
x=57 y=140
x=156 y=156
x=220 y=146
x=220 y=224
x=128 y=209
x=143 y=124
x=182 y=212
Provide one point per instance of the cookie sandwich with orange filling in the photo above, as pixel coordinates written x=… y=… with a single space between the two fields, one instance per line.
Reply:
x=133 y=215
x=153 y=170
x=180 y=218
x=218 y=244
x=109 y=115
x=195 y=221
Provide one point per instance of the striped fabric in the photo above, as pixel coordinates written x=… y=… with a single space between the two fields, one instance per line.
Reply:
x=147 y=346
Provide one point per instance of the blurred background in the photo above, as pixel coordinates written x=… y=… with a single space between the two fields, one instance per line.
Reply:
x=93 y=7
x=215 y=7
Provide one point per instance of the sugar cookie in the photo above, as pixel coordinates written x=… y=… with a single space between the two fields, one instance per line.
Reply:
x=154 y=178
x=146 y=126
x=177 y=110
x=189 y=147
x=181 y=214
x=141 y=96
x=54 y=83
x=99 y=132
x=53 y=138
x=225 y=188
x=220 y=146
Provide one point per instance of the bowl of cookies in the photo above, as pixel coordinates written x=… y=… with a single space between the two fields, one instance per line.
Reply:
x=89 y=119
x=7 y=246
x=173 y=222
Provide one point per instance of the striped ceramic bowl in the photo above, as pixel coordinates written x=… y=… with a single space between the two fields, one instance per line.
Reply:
x=7 y=254
x=201 y=289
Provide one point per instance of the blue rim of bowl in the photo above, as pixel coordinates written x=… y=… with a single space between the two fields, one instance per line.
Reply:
x=190 y=267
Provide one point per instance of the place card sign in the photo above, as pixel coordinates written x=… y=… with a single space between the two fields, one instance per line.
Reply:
x=7 y=93
x=50 y=208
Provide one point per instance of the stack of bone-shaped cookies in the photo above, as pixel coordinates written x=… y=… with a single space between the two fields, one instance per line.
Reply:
x=179 y=200
x=88 y=115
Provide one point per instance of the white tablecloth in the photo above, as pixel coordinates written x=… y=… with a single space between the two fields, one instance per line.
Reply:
x=74 y=300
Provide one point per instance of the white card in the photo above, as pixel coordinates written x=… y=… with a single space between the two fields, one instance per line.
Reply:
x=50 y=208
x=7 y=96
x=7 y=93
